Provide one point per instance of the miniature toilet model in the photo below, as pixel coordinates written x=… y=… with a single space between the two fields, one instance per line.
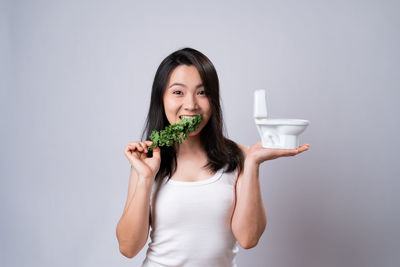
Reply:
x=276 y=133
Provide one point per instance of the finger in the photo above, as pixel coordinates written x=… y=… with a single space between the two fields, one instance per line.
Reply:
x=129 y=153
x=126 y=151
x=135 y=147
x=129 y=148
x=149 y=143
x=303 y=148
x=133 y=143
x=297 y=151
x=286 y=152
x=157 y=152
x=144 y=146
x=140 y=147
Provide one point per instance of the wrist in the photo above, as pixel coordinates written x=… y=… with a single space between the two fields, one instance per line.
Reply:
x=251 y=162
x=145 y=181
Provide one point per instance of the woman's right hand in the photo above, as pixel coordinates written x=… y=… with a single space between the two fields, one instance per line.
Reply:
x=145 y=167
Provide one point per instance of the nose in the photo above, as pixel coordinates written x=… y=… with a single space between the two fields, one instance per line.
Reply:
x=190 y=102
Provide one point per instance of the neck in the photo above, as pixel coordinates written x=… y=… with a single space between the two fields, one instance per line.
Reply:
x=190 y=146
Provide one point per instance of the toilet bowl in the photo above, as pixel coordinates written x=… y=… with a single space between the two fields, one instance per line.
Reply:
x=276 y=133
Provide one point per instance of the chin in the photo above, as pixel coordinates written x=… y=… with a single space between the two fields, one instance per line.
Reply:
x=197 y=132
x=192 y=134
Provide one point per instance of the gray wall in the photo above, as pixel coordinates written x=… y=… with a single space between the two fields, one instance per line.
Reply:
x=76 y=80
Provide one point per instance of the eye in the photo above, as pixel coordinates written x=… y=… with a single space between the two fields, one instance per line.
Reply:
x=202 y=92
x=179 y=91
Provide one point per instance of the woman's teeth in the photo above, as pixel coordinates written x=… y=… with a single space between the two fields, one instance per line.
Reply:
x=185 y=117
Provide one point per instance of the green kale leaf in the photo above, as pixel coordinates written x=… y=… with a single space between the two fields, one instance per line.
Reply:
x=172 y=132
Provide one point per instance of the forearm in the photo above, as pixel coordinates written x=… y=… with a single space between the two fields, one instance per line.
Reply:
x=249 y=219
x=133 y=227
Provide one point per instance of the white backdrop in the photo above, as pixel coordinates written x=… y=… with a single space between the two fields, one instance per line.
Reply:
x=75 y=86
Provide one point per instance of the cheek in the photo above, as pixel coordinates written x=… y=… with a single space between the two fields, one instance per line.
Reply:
x=169 y=105
x=206 y=104
x=208 y=108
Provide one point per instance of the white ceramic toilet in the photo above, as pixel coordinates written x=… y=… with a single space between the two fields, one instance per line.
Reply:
x=276 y=133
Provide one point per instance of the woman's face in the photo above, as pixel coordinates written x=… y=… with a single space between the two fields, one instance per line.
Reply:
x=185 y=95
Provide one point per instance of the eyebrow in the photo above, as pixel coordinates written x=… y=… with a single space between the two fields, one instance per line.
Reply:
x=181 y=84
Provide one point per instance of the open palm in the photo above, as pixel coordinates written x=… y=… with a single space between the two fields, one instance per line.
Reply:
x=259 y=154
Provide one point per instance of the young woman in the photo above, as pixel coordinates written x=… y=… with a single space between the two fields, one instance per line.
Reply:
x=201 y=197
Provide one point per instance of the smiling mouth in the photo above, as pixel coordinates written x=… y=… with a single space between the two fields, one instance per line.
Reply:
x=186 y=117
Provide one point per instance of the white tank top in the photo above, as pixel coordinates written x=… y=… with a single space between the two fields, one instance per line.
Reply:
x=191 y=223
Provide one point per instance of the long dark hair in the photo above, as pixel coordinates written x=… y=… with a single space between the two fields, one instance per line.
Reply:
x=220 y=150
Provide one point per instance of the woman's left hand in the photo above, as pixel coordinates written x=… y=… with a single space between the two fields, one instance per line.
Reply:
x=259 y=154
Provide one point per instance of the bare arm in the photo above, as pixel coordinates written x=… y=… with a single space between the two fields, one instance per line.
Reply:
x=249 y=219
x=133 y=227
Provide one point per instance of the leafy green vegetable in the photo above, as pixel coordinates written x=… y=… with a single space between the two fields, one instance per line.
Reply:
x=172 y=132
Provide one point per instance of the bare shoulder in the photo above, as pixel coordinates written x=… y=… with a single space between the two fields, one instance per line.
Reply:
x=244 y=148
